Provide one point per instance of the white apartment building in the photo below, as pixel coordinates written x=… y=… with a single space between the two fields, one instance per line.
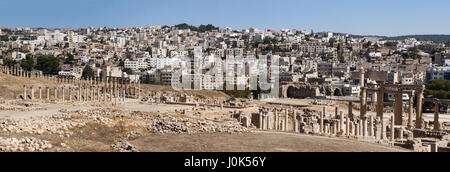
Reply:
x=53 y=37
x=160 y=63
x=119 y=42
x=136 y=65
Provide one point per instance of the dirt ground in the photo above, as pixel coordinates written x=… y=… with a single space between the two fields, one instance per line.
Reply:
x=97 y=137
x=254 y=142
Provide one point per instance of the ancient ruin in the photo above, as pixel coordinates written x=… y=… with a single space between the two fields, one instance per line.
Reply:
x=406 y=127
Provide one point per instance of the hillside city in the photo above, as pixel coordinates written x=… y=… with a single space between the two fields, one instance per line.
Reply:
x=113 y=89
x=151 y=54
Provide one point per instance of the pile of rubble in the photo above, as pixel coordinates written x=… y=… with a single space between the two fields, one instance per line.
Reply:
x=169 y=124
x=61 y=124
x=123 y=146
x=64 y=124
x=26 y=144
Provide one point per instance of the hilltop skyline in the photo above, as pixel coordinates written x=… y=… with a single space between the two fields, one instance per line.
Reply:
x=385 y=18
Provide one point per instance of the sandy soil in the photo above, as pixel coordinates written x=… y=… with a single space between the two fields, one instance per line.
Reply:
x=254 y=142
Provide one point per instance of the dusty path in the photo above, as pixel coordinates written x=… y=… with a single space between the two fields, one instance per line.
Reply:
x=254 y=142
x=51 y=109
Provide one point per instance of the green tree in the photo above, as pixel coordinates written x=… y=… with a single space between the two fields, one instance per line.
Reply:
x=332 y=41
x=27 y=63
x=87 y=72
x=389 y=44
x=438 y=89
x=4 y=38
x=70 y=59
x=13 y=38
x=48 y=64
x=9 y=62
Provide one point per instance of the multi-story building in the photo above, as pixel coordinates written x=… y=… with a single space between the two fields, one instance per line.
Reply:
x=136 y=64
x=438 y=73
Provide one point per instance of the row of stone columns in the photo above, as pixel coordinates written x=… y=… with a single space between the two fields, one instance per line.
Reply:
x=275 y=119
x=83 y=93
x=341 y=124
x=19 y=72
x=131 y=89
x=398 y=106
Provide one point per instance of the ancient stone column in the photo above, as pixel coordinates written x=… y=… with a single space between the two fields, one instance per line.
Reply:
x=365 y=128
x=342 y=123
x=419 y=117
x=363 y=97
x=357 y=130
x=110 y=95
x=63 y=98
x=347 y=126
x=350 y=110
x=321 y=119
x=24 y=92
x=371 y=125
x=295 y=121
x=392 y=129
x=286 y=120
x=437 y=125
x=398 y=107
x=338 y=126
x=92 y=92
x=411 y=111
x=117 y=95
x=70 y=93
x=104 y=93
x=327 y=129
x=353 y=129
x=336 y=112
x=86 y=93
x=383 y=130
x=40 y=93
x=139 y=89
x=124 y=94
x=378 y=133
x=48 y=93
x=275 y=121
x=32 y=92
x=98 y=93
x=380 y=102
x=56 y=93
x=261 y=120
x=361 y=128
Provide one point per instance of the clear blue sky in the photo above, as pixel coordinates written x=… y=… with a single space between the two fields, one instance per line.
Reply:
x=380 y=17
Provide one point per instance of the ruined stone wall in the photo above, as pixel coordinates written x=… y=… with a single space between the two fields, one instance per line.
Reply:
x=300 y=92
